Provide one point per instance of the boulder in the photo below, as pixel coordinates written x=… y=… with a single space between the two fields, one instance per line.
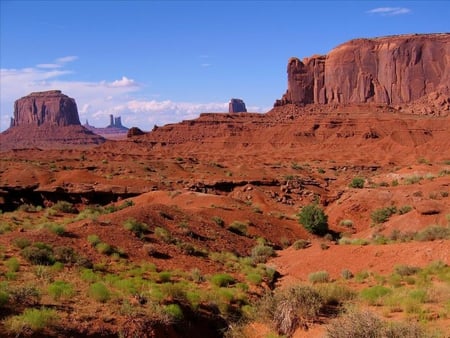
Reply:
x=388 y=70
x=45 y=108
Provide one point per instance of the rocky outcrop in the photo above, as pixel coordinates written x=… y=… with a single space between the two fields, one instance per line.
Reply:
x=46 y=120
x=236 y=106
x=390 y=70
x=45 y=108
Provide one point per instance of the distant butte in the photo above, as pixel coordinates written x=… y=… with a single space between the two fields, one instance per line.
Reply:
x=46 y=120
x=392 y=70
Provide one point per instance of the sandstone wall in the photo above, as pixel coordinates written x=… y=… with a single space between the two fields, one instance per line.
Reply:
x=387 y=70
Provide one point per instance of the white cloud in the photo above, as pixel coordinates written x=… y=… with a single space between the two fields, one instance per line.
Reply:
x=205 y=65
x=66 y=59
x=124 y=82
x=389 y=11
x=97 y=100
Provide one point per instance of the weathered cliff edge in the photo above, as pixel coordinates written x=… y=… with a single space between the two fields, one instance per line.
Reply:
x=393 y=70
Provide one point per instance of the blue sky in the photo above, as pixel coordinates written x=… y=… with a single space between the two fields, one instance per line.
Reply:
x=158 y=62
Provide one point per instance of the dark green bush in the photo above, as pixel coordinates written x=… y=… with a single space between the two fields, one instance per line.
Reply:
x=38 y=256
x=238 y=227
x=357 y=182
x=139 y=229
x=313 y=219
x=382 y=215
x=222 y=279
x=66 y=207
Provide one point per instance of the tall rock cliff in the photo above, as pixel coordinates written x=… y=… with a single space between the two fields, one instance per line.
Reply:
x=45 y=108
x=387 y=70
x=236 y=106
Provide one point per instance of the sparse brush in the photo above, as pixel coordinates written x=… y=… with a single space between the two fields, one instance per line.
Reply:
x=139 y=229
x=33 y=320
x=319 y=277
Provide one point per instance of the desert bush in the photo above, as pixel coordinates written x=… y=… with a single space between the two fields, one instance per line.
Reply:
x=99 y=292
x=262 y=253
x=65 y=254
x=65 y=207
x=89 y=275
x=313 y=219
x=104 y=248
x=413 y=179
x=57 y=229
x=382 y=215
x=174 y=311
x=291 y=308
x=319 y=277
x=21 y=242
x=433 y=232
x=301 y=244
x=219 y=221
x=165 y=276
x=60 y=289
x=139 y=229
x=25 y=295
x=404 y=209
x=93 y=240
x=12 y=264
x=238 y=227
x=406 y=270
x=222 y=279
x=346 y=274
x=33 y=320
x=38 y=255
x=163 y=235
x=357 y=182
x=355 y=324
x=335 y=294
x=373 y=294
x=346 y=222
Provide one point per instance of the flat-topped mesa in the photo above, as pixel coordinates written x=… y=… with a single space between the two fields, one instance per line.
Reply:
x=50 y=108
x=387 y=70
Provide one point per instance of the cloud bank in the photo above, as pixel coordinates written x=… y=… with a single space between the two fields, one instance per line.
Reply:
x=96 y=100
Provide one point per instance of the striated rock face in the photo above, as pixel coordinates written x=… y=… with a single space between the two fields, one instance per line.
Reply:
x=45 y=108
x=387 y=70
x=236 y=106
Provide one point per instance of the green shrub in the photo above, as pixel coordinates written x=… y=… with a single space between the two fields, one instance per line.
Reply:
x=346 y=222
x=4 y=297
x=163 y=235
x=174 y=311
x=254 y=278
x=373 y=294
x=222 y=279
x=433 y=232
x=65 y=207
x=406 y=270
x=139 y=229
x=319 y=277
x=25 y=295
x=99 y=292
x=301 y=244
x=404 y=209
x=21 y=242
x=219 y=221
x=357 y=182
x=262 y=253
x=382 y=215
x=38 y=255
x=31 y=320
x=12 y=264
x=93 y=240
x=65 y=254
x=165 y=276
x=104 y=248
x=335 y=294
x=413 y=179
x=313 y=219
x=238 y=227
x=55 y=228
x=60 y=289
